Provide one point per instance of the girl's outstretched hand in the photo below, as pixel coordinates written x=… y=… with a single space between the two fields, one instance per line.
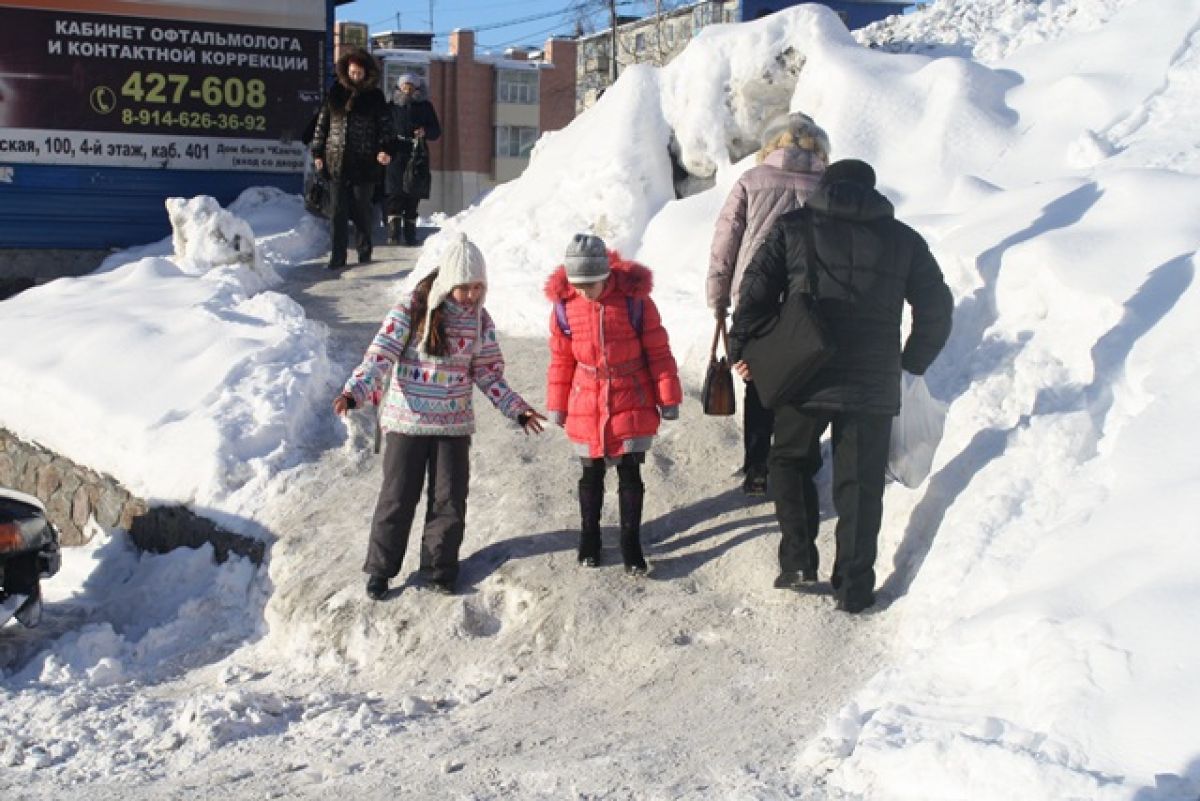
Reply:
x=342 y=403
x=531 y=421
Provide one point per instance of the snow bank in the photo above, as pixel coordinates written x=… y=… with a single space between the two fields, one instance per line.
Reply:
x=180 y=375
x=987 y=32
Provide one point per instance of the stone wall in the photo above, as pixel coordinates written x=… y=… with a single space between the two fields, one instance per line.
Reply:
x=70 y=492
x=73 y=493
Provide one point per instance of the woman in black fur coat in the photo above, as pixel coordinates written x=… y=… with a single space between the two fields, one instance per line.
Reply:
x=353 y=142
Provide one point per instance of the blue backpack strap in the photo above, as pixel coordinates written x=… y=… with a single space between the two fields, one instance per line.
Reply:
x=560 y=315
x=634 y=307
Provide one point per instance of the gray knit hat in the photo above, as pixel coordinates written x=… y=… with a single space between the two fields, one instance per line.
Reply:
x=586 y=260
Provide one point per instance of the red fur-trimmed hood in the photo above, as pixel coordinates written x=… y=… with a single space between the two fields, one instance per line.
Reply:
x=627 y=277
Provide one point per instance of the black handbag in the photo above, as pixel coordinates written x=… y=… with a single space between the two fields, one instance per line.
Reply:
x=797 y=344
x=417 y=179
x=716 y=395
x=317 y=193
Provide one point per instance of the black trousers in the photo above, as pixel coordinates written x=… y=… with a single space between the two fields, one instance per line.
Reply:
x=406 y=461
x=402 y=205
x=860 y=450
x=758 y=423
x=351 y=202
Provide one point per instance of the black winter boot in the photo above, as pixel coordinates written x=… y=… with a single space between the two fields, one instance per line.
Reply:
x=630 y=497
x=377 y=587
x=591 y=501
x=410 y=232
x=393 y=230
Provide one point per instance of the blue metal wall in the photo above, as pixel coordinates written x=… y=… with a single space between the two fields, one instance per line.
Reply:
x=107 y=207
x=855 y=14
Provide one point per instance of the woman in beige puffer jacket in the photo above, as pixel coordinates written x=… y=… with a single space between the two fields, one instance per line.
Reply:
x=794 y=154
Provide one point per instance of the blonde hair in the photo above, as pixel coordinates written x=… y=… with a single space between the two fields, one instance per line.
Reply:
x=794 y=130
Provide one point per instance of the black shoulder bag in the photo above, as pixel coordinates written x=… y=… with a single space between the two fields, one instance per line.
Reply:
x=798 y=344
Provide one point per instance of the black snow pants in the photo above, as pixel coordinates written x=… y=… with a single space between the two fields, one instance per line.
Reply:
x=406 y=461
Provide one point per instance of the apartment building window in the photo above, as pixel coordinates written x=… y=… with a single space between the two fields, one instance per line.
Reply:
x=517 y=86
x=515 y=141
x=594 y=57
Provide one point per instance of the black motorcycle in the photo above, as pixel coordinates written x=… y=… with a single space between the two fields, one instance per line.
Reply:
x=28 y=553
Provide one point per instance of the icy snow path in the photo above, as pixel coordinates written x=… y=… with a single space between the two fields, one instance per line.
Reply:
x=542 y=679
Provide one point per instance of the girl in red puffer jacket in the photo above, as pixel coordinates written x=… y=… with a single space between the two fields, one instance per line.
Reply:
x=611 y=379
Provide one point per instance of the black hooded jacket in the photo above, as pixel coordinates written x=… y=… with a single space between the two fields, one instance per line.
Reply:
x=354 y=125
x=869 y=265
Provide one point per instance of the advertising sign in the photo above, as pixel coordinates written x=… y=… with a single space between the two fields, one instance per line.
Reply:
x=205 y=85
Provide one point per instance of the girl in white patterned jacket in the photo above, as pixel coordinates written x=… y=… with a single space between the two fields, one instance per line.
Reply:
x=439 y=343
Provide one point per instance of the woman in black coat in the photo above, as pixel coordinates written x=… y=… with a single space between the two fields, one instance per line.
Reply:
x=409 y=176
x=354 y=140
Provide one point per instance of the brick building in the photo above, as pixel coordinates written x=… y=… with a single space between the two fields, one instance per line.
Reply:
x=492 y=108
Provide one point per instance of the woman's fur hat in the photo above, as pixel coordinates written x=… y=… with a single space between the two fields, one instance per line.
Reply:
x=796 y=129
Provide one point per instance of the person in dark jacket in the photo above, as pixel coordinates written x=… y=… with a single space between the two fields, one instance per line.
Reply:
x=416 y=124
x=353 y=141
x=868 y=266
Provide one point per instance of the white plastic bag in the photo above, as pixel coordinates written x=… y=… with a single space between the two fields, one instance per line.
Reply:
x=916 y=432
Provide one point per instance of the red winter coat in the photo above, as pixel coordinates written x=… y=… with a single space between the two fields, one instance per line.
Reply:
x=606 y=379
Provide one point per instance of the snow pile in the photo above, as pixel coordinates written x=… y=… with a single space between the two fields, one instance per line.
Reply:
x=987 y=32
x=149 y=618
x=749 y=71
x=177 y=374
x=206 y=236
